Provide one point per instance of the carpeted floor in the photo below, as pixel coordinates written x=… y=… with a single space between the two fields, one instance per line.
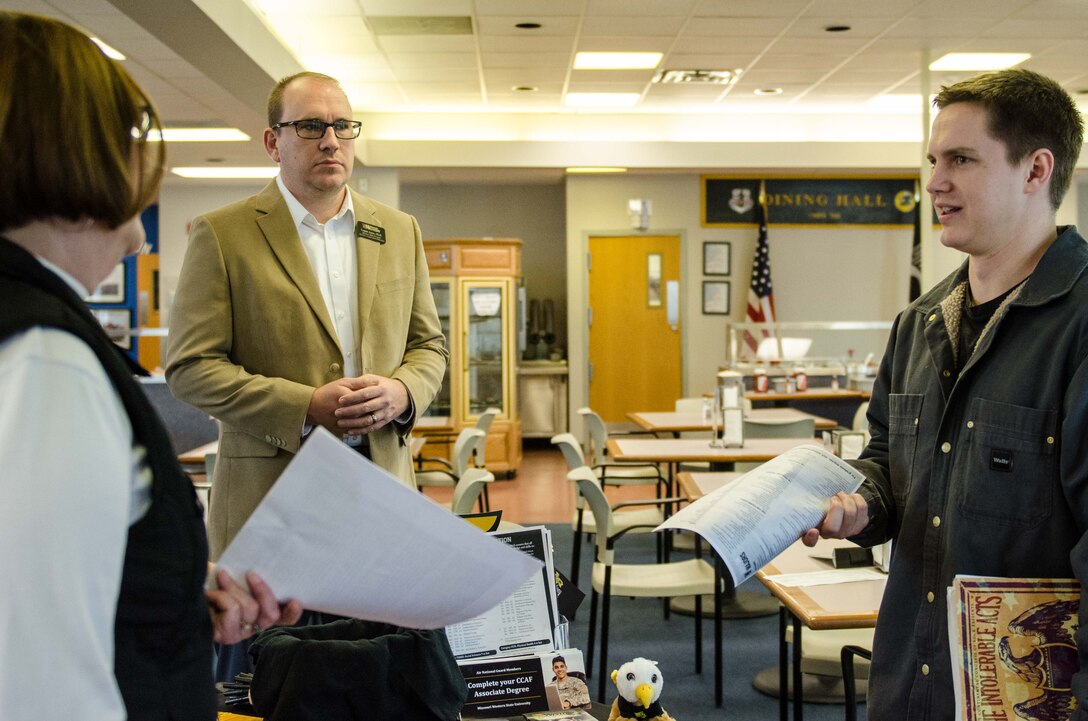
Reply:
x=638 y=628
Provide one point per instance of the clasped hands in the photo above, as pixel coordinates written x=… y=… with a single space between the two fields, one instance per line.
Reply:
x=357 y=406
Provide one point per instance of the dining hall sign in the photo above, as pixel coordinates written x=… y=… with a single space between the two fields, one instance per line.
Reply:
x=883 y=202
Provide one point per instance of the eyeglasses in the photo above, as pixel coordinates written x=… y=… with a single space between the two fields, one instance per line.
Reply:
x=314 y=129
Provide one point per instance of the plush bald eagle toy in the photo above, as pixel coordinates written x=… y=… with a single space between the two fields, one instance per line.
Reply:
x=639 y=683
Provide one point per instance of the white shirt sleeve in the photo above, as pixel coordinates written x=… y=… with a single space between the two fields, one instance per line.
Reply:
x=69 y=493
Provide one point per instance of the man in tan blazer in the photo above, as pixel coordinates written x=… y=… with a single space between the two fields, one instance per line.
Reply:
x=304 y=305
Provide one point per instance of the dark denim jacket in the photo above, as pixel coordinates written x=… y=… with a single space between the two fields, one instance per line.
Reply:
x=984 y=472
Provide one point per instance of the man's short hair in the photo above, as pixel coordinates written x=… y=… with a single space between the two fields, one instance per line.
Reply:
x=275 y=97
x=559 y=659
x=74 y=126
x=1027 y=111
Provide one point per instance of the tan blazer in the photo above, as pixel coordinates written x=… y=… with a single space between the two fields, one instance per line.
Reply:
x=251 y=338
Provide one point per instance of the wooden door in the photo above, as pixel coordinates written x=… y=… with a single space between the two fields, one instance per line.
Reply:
x=634 y=352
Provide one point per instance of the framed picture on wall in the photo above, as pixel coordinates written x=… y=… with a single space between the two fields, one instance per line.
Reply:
x=715 y=297
x=716 y=257
x=117 y=323
x=112 y=289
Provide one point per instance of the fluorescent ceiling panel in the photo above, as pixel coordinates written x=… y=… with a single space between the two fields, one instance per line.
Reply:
x=616 y=61
x=978 y=61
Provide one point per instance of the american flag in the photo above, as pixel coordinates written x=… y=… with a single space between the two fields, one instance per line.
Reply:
x=760 y=296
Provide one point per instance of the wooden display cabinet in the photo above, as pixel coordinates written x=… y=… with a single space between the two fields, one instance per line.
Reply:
x=474 y=281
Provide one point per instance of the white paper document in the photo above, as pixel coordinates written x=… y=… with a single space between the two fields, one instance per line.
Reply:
x=753 y=519
x=342 y=535
x=525 y=621
x=827 y=578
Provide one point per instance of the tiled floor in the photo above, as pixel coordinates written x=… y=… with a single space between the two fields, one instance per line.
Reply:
x=540 y=492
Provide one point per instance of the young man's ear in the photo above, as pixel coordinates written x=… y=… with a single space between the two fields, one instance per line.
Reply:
x=1040 y=166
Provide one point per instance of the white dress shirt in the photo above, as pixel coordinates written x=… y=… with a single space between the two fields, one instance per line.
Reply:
x=331 y=250
x=70 y=489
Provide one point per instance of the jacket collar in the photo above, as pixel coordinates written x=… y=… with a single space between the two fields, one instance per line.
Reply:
x=1058 y=270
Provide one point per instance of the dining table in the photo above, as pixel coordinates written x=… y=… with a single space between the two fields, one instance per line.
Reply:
x=675 y=451
x=676 y=422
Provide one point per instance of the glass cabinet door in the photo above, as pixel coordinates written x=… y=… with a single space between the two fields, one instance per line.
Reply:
x=487 y=315
x=442 y=404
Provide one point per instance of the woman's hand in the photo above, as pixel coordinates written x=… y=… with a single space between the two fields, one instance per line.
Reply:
x=237 y=614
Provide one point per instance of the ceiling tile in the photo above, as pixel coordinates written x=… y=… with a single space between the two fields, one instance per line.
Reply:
x=508 y=44
x=527 y=60
x=417 y=8
x=427 y=43
x=860 y=28
x=723 y=44
x=751 y=8
x=529 y=8
x=736 y=27
x=790 y=61
x=632 y=26
x=600 y=43
x=509 y=77
x=507 y=25
x=437 y=75
x=708 y=61
x=430 y=60
x=645 y=8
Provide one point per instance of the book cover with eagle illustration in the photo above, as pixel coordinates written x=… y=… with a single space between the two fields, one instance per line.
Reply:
x=1013 y=653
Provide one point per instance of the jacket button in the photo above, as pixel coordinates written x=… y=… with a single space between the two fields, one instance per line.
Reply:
x=946 y=373
x=932 y=317
x=925 y=669
x=1050 y=440
x=930 y=597
x=970 y=424
x=946 y=447
x=936 y=521
x=334 y=368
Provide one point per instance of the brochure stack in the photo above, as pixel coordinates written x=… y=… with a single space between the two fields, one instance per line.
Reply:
x=515 y=657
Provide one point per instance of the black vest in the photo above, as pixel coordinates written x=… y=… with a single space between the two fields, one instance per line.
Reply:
x=162 y=633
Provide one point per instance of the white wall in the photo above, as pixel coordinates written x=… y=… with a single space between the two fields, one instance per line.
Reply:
x=180 y=202
x=818 y=273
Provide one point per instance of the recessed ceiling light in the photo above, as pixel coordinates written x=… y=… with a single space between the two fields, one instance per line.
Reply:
x=200 y=135
x=109 y=51
x=601 y=100
x=588 y=170
x=529 y=26
x=525 y=88
x=837 y=28
x=978 y=61
x=767 y=91
x=616 y=61
x=224 y=172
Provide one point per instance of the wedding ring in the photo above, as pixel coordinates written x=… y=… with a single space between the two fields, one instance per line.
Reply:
x=373 y=419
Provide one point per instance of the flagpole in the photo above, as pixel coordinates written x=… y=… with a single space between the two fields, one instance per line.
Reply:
x=766 y=222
